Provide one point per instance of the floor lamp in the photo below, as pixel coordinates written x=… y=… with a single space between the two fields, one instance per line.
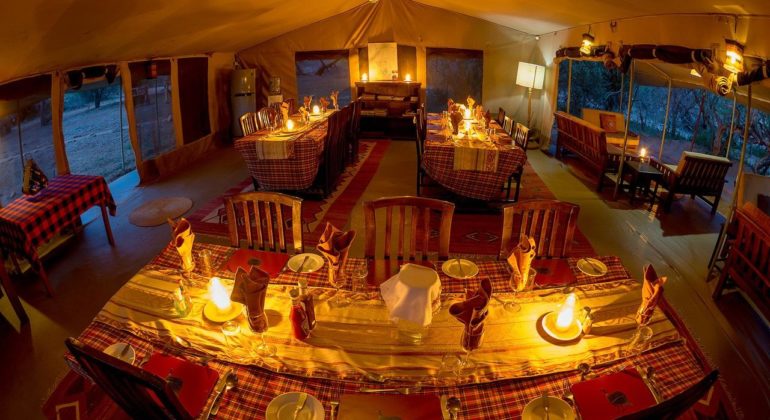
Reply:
x=530 y=76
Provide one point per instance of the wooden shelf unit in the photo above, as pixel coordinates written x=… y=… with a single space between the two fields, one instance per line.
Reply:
x=388 y=108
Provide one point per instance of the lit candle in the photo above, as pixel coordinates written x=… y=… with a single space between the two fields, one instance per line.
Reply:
x=408 y=77
x=468 y=127
x=643 y=153
x=316 y=110
x=218 y=295
x=289 y=125
x=364 y=77
x=566 y=316
x=467 y=114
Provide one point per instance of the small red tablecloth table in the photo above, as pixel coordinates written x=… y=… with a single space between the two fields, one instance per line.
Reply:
x=30 y=221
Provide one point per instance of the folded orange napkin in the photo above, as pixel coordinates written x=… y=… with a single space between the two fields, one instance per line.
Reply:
x=520 y=261
x=307 y=100
x=34 y=178
x=652 y=290
x=470 y=101
x=334 y=97
x=334 y=244
x=450 y=105
x=472 y=312
x=183 y=239
x=324 y=104
x=250 y=289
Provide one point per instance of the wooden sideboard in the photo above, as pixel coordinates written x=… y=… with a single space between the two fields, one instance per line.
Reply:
x=388 y=108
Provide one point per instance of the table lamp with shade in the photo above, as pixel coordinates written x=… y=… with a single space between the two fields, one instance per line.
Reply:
x=531 y=76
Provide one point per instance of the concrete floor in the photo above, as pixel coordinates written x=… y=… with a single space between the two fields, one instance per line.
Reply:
x=86 y=272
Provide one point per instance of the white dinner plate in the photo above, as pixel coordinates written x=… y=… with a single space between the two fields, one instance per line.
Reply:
x=282 y=408
x=592 y=267
x=558 y=409
x=116 y=351
x=314 y=262
x=452 y=268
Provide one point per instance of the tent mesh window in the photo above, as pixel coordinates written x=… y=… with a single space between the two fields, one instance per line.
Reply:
x=96 y=130
x=320 y=72
x=25 y=132
x=151 y=90
x=455 y=74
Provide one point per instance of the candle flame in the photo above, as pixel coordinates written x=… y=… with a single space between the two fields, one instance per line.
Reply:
x=566 y=315
x=316 y=109
x=218 y=294
x=467 y=114
x=408 y=77
x=289 y=125
x=364 y=77
x=643 y=152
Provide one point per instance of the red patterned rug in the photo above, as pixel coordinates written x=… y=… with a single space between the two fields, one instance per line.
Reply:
x=211 y=219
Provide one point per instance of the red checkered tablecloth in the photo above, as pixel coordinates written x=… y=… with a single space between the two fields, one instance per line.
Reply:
x=294 y=173
x=30 y=221
x=438 y=160
x=678 y=365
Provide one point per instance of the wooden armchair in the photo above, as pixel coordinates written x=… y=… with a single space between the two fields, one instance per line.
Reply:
x=550 y=222
x=696 y=174
x=677 y=405
x=260 y=216
x=748 y=260
x=249 y=123
x=419 y=217
x=139 y=393
x=266 y=116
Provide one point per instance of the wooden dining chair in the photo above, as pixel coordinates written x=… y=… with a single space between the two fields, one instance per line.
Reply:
x=550 y=222
x=500 y=116
x=419 y=221
x=677 y=405
x=249 y=123
x=265 y=116
x=141 y=394
x=520 y=135
x=508 y=125
x=260 y=216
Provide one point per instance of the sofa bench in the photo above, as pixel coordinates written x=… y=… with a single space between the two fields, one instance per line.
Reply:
x=588 y=142
x=614 y=126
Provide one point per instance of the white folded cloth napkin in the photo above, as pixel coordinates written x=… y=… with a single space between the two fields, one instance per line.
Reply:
x=409 y=295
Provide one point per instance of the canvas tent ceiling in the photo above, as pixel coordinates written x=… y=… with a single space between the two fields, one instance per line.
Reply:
x=42 y=35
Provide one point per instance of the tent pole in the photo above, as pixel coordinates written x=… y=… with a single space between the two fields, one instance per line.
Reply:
x=722 y=238
x=622 y=83
x=665 y=122
x=732 y=125
x=625 y=135
x=569 y=83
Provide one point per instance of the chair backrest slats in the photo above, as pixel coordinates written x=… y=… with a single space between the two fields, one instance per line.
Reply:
x=551 y=223
x=264 y=221
x=416 y=211
x=139 y=393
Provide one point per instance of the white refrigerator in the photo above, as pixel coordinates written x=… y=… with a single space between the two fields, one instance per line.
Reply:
x=243 y=96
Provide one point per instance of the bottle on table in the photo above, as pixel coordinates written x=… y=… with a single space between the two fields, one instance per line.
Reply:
x=299 y=321
x=307 y=302
x=182 y=301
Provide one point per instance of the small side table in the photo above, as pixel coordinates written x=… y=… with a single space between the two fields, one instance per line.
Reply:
x=641 y=175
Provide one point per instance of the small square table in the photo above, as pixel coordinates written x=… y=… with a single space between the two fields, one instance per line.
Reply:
x=641 y=175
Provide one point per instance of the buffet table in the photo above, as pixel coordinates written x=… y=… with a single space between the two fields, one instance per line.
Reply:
x=484 y=180
x=357 y=346
x=285 y=162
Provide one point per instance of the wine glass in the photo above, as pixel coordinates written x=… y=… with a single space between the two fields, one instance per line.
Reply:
x=519 y=284
x=258 y=324
x=358 y=277
x=641 y=335
x=230 y=330
x=470 y=341
x=336 y=276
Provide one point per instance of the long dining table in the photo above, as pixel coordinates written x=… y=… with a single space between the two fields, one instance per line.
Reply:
x=285 y=161
x=445 y=160
x=357 y=346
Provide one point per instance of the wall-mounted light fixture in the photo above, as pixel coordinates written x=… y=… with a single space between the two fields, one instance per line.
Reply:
x=588 y=42
x=733 y=56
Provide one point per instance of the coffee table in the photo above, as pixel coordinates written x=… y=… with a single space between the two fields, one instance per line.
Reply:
x=640 y=177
